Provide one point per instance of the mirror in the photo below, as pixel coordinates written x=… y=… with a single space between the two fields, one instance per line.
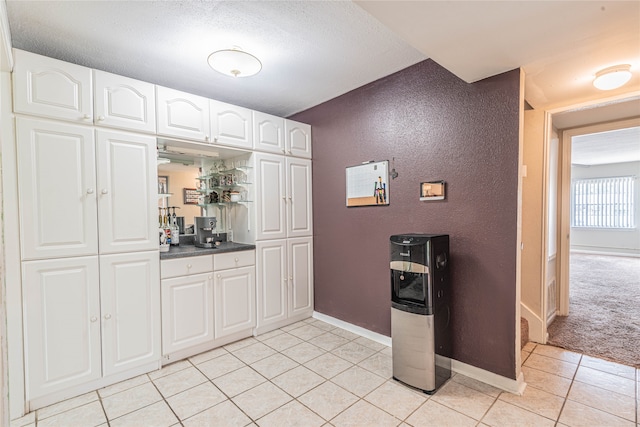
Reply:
x=367 y=184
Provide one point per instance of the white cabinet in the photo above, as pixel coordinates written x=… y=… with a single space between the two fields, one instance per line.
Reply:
x=127 y=192
x=124 y=103
x=298 y=203
x=283 y=196
x=57 y=189
x=130 y=310
x=297 y=138
x=61 y=327
x=231 y=125
x=51 y=88
x=235 y=300
x=65 y=188
x=187 y=312
x=268 y=133
x=87 y=318
x=284 y=270
x=182 y=115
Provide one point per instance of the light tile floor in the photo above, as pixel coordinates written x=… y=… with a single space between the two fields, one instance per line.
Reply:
x=313 y=374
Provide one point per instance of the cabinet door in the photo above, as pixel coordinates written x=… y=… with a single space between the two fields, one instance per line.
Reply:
x=127 y=192
x=51 y=88
x=268 y=133
x=130 y=301
x=299 y=205
x=182 y=115
x=235 y=299
x=271 y=283
x=231 y=125
x=300 y=252
x=298 y=139
x=61 y=327
x=125 y=103
x=57 y=189
x=270 y=197
x=187 y=312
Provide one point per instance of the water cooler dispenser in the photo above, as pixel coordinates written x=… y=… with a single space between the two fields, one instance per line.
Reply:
x=420 y=310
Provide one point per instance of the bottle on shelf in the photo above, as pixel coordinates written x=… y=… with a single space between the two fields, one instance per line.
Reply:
x=175 y=231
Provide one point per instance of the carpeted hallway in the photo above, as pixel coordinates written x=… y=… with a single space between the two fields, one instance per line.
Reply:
x=604 y=309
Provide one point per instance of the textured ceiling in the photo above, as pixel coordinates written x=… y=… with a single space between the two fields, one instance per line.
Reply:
x=310 y=51
x=617 y=146
x=313 y=51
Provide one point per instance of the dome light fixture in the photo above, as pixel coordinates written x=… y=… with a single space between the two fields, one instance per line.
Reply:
x=612 y=77
x=234 y=62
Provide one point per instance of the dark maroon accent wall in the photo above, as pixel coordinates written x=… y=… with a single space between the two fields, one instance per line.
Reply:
x=437 y=127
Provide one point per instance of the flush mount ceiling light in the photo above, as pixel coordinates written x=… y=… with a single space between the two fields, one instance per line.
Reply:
x=234 y=62
x=612 y=77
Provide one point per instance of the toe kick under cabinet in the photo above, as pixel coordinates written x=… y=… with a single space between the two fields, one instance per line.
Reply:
x=207 y=301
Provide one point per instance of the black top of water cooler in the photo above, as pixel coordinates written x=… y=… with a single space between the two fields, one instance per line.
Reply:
x=413 y=239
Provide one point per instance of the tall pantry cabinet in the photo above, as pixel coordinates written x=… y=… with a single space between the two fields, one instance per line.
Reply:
x=284 y=232
x=87 y=200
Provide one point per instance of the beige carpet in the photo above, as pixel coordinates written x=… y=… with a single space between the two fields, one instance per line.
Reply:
x=604 y=309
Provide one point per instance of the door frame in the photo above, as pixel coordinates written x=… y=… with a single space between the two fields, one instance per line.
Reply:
x=564 y=237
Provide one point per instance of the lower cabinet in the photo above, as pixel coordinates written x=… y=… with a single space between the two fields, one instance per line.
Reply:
x=187 y=312
x=284 y=270
x=207 y=301
x=89 y=317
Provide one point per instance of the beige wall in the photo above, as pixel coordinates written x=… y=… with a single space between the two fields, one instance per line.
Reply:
x=178 y=180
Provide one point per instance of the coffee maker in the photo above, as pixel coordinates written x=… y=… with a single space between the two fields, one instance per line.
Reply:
x=205 y=229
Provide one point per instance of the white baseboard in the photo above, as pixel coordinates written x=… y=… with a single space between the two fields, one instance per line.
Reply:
x=495 y=380
x=374 y=336
x=536 y=327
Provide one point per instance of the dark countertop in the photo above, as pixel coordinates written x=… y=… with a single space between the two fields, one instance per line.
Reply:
x=182 y=250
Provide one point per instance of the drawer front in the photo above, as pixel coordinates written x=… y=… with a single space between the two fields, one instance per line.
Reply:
x=185 y=266
x=234 y=259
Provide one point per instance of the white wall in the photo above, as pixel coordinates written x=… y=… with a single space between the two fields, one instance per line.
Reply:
x=623 y=241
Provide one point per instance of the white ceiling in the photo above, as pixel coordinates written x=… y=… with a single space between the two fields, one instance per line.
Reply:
x=313 y=51
x=616 y=146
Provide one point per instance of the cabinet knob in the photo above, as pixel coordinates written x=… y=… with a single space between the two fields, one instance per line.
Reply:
x=289 y=152
x=210 y=277
x=188 y=265
x=289 y=198
x=86 y=117
x=284 y=151
x=290 y=277
x=101 y=118
x=219 y=276
x=236 y=260
x=104 y=191
x=89 y=190
x=107 y=316
x=93 y=319
x=206 y=138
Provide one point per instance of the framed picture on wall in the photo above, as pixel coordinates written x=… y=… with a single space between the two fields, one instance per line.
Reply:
x=163 y=184
x=190 y=196
x=432 y=190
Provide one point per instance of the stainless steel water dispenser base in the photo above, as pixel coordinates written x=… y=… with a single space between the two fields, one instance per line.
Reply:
x=412 y=345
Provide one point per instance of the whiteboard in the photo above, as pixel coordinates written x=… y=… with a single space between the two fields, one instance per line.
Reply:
x=367 y=184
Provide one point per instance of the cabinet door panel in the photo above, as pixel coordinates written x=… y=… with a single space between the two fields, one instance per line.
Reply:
x=300 y=251
x=298 y=139
x=130 y=299
x=51 y=88
x=271 y=271
x=187 y=312
x=62 y=331
x=127 y=187
x=125 y=103
x=231 y=125
x=270 y=197
x=182 y=114
x=299 y=206
x=235 y=295
x=57 y=189
x=268 y=133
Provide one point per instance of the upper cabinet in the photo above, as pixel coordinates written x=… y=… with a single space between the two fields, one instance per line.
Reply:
x=182 y=115
x=268 y=133
x=50 y=88
x=297 y=139
x=124 y=103
x=231 y=125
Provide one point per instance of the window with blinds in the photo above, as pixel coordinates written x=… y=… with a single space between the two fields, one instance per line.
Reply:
x=603 y=202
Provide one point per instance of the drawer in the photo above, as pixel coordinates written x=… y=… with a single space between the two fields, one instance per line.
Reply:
x=233 y=260
x=185 y=266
